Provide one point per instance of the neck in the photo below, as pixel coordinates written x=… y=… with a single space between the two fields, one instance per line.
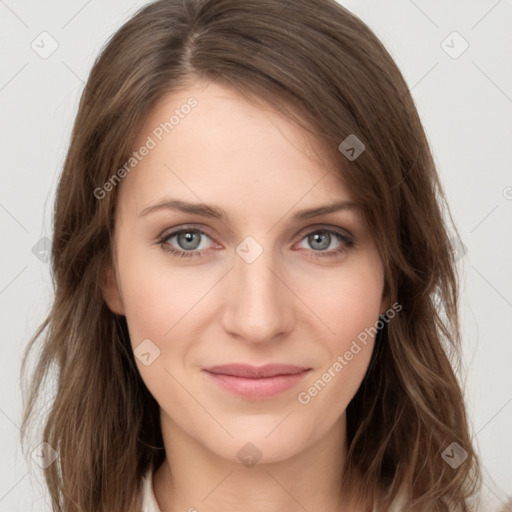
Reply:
x=194 y=478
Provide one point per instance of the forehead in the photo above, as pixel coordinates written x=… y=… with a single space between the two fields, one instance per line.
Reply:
x=212 y=143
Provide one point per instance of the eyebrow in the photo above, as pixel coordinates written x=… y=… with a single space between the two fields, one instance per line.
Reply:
x=218 y=213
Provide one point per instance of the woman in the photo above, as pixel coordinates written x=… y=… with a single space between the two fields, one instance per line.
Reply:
x=255 y=292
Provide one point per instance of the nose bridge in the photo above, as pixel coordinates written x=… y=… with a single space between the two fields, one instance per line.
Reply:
x=258 y=308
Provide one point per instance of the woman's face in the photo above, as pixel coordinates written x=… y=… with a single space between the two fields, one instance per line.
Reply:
x=222 y=259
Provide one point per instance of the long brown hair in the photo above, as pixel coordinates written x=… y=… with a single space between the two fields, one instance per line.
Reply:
x=323 y=68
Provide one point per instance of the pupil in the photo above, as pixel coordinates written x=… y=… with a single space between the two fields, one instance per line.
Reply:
x=188 y=240
x=320 y=240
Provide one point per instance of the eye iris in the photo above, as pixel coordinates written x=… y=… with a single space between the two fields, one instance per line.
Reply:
x=188 y=240
x=320 y=240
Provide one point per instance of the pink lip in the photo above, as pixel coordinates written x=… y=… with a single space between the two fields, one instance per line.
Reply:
x=257 y=381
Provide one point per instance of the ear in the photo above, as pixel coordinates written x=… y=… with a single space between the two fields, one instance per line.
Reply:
x=111 y=291
x=385 y=302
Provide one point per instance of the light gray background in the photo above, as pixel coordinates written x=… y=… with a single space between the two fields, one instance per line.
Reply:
x=466 y=107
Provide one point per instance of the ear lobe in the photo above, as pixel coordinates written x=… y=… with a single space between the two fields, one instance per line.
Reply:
x=111 y=292
x=383 y=309
x=385 y=304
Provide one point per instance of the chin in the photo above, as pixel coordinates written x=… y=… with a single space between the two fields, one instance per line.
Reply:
x=262 y=444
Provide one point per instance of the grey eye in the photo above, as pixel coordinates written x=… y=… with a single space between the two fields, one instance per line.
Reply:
x=189 y=240
x=319 y=240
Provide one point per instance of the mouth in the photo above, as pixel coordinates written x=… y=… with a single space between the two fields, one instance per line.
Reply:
x=257 y=382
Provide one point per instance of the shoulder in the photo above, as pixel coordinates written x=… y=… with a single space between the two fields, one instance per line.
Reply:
x=484 y=501
x=149 y=503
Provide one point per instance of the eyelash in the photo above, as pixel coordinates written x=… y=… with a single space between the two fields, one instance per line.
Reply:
x=342 y=237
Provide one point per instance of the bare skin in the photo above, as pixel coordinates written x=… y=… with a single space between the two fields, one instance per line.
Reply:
x=298 y=302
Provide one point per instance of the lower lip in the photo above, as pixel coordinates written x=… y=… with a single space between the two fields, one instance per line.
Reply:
x=258 y=388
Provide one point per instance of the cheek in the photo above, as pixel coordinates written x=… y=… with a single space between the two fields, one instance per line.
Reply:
x=158 y=305
x=163 y=305
x=156 y=296
x=348 y=303
x=349 y=307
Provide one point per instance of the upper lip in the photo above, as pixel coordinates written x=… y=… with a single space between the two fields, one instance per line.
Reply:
x=256 y=372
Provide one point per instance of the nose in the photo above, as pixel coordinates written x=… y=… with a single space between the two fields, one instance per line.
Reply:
x=259 y=306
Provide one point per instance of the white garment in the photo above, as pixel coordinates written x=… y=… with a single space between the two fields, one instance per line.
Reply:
x=149 y=503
